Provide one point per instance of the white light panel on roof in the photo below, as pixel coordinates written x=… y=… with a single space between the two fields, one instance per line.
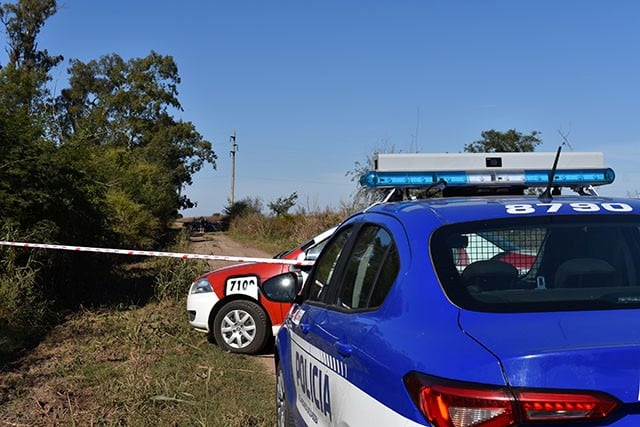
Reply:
x=413 y=162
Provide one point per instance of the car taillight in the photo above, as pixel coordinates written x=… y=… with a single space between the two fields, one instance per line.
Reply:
x=558 y=406
x=446 y=403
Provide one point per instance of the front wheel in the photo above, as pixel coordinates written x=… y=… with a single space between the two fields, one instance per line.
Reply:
x=283 y=413
x=241 y=327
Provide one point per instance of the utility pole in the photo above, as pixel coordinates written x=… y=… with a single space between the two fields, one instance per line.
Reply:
x=234 y=148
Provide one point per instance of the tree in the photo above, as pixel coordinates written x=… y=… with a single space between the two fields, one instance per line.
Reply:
x=120 y=112
x=34 y=177
x=244 y=207
x=28 y=67
x=281 y=205
x=23 y=22
x=36 y=191
x=103 y=164
x=494 y=141
x=363 y=196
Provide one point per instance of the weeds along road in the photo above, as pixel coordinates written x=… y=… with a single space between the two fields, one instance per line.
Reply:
x=139 y=366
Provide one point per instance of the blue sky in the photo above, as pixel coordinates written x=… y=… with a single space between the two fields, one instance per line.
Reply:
x=310 y=87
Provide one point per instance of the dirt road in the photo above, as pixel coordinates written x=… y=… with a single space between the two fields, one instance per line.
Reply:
x=221 y=244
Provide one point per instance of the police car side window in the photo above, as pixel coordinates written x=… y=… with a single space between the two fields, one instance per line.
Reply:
x=318 y=285
x=370 y=270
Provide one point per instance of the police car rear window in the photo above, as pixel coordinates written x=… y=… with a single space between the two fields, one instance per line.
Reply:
x=527 y=264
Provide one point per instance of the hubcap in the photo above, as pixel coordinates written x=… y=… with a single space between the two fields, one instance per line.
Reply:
x=238 y=329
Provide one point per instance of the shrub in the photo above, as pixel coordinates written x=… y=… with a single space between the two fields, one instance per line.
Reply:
x=281 y=205
x=24 y=307
x=173 y=275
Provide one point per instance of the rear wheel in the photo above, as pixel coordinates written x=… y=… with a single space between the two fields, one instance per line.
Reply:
x=241 y=327
x=283 y=413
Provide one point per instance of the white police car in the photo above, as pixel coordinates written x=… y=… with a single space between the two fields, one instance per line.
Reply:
x=387 y=331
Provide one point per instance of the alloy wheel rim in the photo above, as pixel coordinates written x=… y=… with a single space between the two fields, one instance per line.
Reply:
x=238 y=329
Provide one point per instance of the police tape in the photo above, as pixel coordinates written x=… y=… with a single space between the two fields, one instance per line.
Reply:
x=156 y=253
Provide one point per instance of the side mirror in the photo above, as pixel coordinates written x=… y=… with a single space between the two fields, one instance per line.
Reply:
x=312 y=253
x=283 y=287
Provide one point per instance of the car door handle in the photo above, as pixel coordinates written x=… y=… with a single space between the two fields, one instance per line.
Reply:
x=343 y=349
x=305 y=327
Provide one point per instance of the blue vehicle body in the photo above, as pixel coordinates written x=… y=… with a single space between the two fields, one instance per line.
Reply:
x=346 y=367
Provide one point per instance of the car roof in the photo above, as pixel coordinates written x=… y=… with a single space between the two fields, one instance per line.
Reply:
x=444 y=210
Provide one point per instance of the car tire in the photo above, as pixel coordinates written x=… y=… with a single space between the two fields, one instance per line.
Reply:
x=283 y=412
x=241 y=327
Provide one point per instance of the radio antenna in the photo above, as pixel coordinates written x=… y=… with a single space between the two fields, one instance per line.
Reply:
x=546 y=194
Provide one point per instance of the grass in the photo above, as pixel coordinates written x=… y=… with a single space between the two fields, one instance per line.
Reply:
x=135 y=367
x=275 y=234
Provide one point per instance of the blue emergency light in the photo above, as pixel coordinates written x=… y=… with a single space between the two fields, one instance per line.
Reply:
x=524 y=178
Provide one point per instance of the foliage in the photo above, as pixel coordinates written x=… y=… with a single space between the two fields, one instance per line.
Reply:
x=242 y=208
x=281 y=205
x=494 y=141
x=122 y=110
x=23 y=21
x=173 y=275
x=20 y=292
x=135 y=226
x=24 y=309
x=102 y=164
x=27 y=161
x=363 y=196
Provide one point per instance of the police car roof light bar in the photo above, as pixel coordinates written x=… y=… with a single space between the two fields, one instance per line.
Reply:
x=487 y=170
x=416 y=162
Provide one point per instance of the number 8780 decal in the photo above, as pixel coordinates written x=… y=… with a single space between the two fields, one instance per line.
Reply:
x=527 y=208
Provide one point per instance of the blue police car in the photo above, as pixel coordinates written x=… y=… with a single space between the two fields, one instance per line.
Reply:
x=388 y=330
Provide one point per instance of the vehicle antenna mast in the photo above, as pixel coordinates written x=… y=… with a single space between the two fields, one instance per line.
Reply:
x=234 y=149
x=546 y=197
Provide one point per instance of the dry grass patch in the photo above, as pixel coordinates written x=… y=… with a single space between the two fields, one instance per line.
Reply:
x=139 y=367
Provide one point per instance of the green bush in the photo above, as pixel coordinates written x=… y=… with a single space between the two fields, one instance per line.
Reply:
x=174 y=275
x=24 y=307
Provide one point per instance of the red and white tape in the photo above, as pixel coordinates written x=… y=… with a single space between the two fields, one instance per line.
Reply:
x=156 y=253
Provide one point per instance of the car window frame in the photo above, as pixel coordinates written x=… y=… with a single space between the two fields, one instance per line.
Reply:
x=335 y=285
x=335 y=301
x=306 y=297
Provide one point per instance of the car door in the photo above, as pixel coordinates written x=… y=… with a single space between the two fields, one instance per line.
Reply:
x=318 y=376
x=367 y=268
